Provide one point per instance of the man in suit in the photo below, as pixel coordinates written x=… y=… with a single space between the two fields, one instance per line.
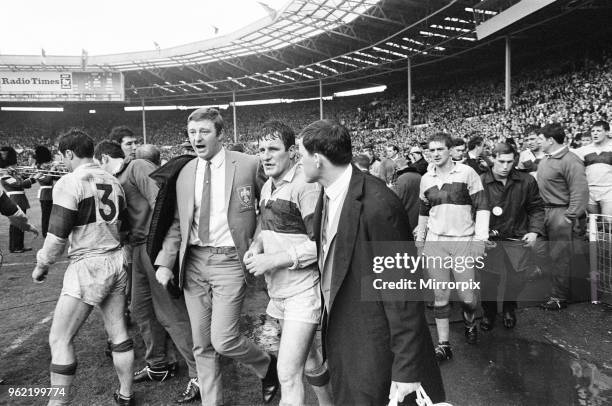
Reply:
x=213 y=223
x=375 y=349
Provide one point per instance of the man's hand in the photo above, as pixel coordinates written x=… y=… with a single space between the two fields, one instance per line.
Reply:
x=33 y=230
x=530 y=239
x=39 y=274
x=163 y=275
x=478 y=247
x=253 y=250
x=399 y=390
x=259 y=264
x=490 y=245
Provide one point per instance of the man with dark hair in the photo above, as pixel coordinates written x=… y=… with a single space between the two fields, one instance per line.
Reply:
x=476 y=147
x=156 y=312
x=597 y=158
x=374 y=165
x=582 y=139
x=517 y=219
x=376 y=350
x=124 y=136
x=450 y=194
x=213 y=222
x=87 y=204
x=458 y=150
x=563 y=186
x=284 y=251
x=533 y=154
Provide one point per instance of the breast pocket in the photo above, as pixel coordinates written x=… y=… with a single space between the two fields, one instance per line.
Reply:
x=246 y=198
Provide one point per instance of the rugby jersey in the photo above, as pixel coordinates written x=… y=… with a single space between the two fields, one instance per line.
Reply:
x=597 y=163
x=450 y=203
x=286 y=225
x=86 y=208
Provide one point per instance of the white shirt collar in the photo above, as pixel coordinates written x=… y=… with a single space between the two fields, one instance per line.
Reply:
x=340 y=185
x=216 y=160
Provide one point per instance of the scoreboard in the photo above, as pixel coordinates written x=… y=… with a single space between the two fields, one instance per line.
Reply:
x=46 y=86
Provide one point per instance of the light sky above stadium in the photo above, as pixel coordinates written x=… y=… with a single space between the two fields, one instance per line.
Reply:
x=66 y=27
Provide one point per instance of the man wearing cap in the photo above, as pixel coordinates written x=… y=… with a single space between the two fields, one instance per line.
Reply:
x=418 y=162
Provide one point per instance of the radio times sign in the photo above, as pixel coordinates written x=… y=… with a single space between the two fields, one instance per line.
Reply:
x=33 y=86
x=35 y=82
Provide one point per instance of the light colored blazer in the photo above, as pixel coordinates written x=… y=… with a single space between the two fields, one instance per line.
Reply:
x=241 y=196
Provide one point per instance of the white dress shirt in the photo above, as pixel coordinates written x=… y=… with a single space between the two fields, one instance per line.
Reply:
x=336 y=192
x=220 y=235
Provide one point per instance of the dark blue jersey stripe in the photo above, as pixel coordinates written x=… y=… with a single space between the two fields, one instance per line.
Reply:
x=282 y=216
x=603 y=158
x=451 y=193
x=62 y=221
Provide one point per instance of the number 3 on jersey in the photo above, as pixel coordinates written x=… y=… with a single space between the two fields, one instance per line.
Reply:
x=107 y=208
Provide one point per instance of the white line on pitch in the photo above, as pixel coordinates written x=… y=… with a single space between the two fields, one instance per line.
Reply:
x=31 y=263
x=20 y=340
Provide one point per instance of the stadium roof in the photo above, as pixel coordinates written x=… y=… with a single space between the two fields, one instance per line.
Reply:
x=339 y=42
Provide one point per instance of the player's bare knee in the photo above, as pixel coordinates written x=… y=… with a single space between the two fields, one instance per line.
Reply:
x=289 y=375
x=58 y=341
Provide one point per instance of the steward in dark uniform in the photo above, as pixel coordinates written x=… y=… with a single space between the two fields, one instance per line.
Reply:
x=14 y=186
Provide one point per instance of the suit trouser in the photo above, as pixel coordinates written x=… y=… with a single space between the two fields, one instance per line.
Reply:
x=156 y=312
x=45 y=214
x=560 y=235
x=15 y=237
x=214 y=291
x=509 y=258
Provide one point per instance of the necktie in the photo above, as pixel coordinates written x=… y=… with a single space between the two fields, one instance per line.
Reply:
x=204 y=226
x=324 y=219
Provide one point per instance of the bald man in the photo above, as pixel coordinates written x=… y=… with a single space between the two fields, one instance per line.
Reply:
x=149 y=152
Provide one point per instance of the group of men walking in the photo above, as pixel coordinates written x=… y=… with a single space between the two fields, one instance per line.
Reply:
x=200 y=228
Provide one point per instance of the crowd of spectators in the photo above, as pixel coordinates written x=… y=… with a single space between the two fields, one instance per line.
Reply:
x=575 y=94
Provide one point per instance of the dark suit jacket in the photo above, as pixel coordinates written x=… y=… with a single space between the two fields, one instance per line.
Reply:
x=241 y=195
x=407 y=189
x=370 y=343
x=162 y=220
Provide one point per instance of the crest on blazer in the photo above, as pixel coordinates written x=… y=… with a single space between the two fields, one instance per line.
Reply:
x=245 y=196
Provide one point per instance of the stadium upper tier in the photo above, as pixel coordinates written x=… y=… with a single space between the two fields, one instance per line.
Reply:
x=572 y=89
x=291 y=49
